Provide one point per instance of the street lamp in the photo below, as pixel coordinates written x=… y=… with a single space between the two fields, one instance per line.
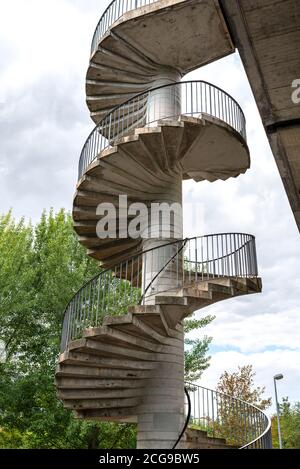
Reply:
x=277 y=377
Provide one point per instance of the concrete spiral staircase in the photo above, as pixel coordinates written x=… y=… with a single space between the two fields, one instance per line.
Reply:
x=122 y=342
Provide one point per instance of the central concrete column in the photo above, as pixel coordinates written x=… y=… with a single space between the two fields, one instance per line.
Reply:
x=161 y=415
x=162 y=261
x=165 y=101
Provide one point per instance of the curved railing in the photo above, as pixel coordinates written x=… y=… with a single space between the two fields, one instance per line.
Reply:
x=190 y=98
x=186 y=261
x=113 y=12
x=241 y=424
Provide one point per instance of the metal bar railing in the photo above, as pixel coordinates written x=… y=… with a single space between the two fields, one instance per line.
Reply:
x=241 y=424
x=191 y=98
x=125 y=284
x=113 y=12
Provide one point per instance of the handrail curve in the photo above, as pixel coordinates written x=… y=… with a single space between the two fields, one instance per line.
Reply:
x=243 y=425
x=113 y=12
x=190 y=260
x=188 y=98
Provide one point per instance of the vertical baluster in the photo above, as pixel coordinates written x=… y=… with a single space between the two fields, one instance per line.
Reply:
x=70 y=315
x=235 y=273
x=208 y=258
x=138 y=273
x=73 y=323
x=197 y=98
x=212 y=413
x=218 y=256
x=213 y=255
x=196 y=261
x=189 y=260
x=245 y=254
x=98 y=298
x=203 y=408
x=78 y=316
x=145 y=270
x=199 y=405
x=231 y=255
x=104 y=305
x=207 y=404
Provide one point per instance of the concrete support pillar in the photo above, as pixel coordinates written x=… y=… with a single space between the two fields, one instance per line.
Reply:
x=161 y=415
x=162 y=261
x=166 y=101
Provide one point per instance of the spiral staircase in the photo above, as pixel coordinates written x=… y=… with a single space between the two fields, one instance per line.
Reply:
x=122 y=349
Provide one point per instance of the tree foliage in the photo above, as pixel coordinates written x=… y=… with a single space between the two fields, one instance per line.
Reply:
x=41 y=268
x=289 y=424
x=240 y=384
x=236 y=422
x=196 y=349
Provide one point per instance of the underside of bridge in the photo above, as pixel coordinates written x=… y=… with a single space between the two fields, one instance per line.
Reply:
x=267 y=36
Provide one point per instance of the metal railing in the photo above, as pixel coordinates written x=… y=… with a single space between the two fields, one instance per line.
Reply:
x=136 y=279
x=113 y=12
x=190 y=98
x=241 y=424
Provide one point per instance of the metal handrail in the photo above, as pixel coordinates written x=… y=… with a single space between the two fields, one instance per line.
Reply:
x=227 y=417
x=186 y=423
x=113 y=12
x=186 y=261
x=189 y=98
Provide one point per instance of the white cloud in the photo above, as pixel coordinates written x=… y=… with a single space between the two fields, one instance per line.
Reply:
x=256 y=332
x=266 y=365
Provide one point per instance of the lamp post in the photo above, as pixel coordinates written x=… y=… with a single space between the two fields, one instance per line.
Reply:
x=276 y=378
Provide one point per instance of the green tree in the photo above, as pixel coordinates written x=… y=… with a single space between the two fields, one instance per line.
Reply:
x=236 y=422
x=240 y=384
x=289 y=424
x=41 y=268
x=195 y=355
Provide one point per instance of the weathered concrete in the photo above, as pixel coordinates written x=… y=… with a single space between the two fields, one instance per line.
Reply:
x=148 y=166
x=267 y=35
x=161 y=412
x=131 y=368
x=148 y=43
x=199 y=439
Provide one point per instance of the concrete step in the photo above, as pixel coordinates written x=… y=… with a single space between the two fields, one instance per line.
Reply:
x=199 y=439
x=80 y=371
x=111 y=335
x=152 y=316
x=79 y=358
x=205 y=445
x=92 y=346
x=143 y=166
x=67 y=382
x=106 y=403
x=120 y=67
x=122 y=414
x=133 y=324
x=80 y=394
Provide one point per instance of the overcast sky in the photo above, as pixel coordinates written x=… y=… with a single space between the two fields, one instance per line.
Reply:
x=44 y=121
